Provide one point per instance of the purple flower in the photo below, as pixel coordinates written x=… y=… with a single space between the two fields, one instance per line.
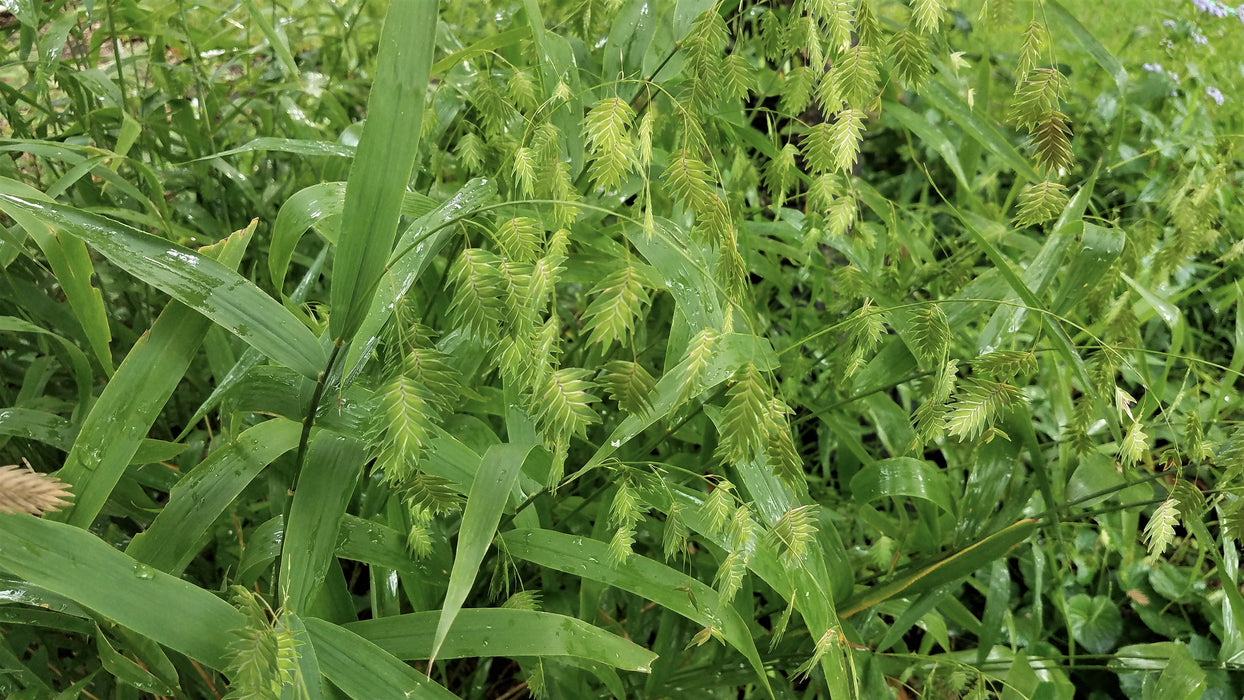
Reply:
x=1215 y=94
x=1169 y=24
x=1198 y=37
x=1152 y=67
x=1211 y=6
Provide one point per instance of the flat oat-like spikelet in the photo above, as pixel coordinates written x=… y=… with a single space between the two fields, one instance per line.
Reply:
x=24 y=490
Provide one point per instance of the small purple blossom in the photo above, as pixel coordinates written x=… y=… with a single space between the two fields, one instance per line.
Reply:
x=1174 y=76
x=1152 y=67
x=1215 y=94
x=1169 y=24
x=1198 y=37
x=1212 y=7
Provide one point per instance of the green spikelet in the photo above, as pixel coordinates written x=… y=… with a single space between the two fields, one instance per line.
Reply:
x=781 y=173
x=1040 y=202
x=867 y=27
x=864 y=331
x=519 y=238
x=1051 y=142
x=525 y=171
x=470 y=152
x=779 y=628
x=522 y=90
x=432 y=494
x=1135 y=445
x=823 y=193
x=479 y=292
x=607 y=131
x=563 y=403
x=403 y=414
x=793 y=533
x=647 y=125
x=841 y=217
x=797 y=91
x=562 y=189
x=620 y=298
x=978 y=405
x=629 y=384
x=771 y=30
x=743 y=420
x=930 y=333
x=835 y=17
x=926 y=15
x=1195 y=445
x=625 y=512
x=1233 y=520
x=704 y=66
x=674 y=537
x=855 y=78
x=930 y=417
x=491 y=104
x=1037 y=93
x=733 y=568
x=784 y=457
x=909 y=55
x=738 y=77
x=687 y=176
x=699 y=354
x=716 y=509
x=1035 y=41
x=520 y=307
x=263 y=657
x=1160 y=530
x=1005 y=365
x=523 y=600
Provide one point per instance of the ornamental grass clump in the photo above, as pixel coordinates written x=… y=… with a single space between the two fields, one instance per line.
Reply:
x=620 y=348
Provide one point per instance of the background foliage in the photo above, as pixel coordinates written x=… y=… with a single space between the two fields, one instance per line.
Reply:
x=621 y=348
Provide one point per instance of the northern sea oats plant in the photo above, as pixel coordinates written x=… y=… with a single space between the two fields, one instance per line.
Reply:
x=622 y=348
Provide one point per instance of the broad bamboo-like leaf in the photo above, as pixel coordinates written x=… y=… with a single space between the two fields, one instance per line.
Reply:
x=71 y=263
x=76 y=564
x=947 y=570
x=319 y=205
x=130 y=402
x=334 y=464
x=503 y=632
x=489 y=493
x=364 y=671
x=386 y=157
x=210 y=288
x=903 y=476
x=656 y=582
x=173 y=538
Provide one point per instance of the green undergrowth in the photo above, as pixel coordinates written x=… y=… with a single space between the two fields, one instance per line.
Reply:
x=621 y=348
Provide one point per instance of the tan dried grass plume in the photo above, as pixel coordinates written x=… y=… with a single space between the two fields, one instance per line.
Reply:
x=24 y=490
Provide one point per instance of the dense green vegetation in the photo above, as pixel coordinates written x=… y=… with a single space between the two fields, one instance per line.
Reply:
x=621 y=348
